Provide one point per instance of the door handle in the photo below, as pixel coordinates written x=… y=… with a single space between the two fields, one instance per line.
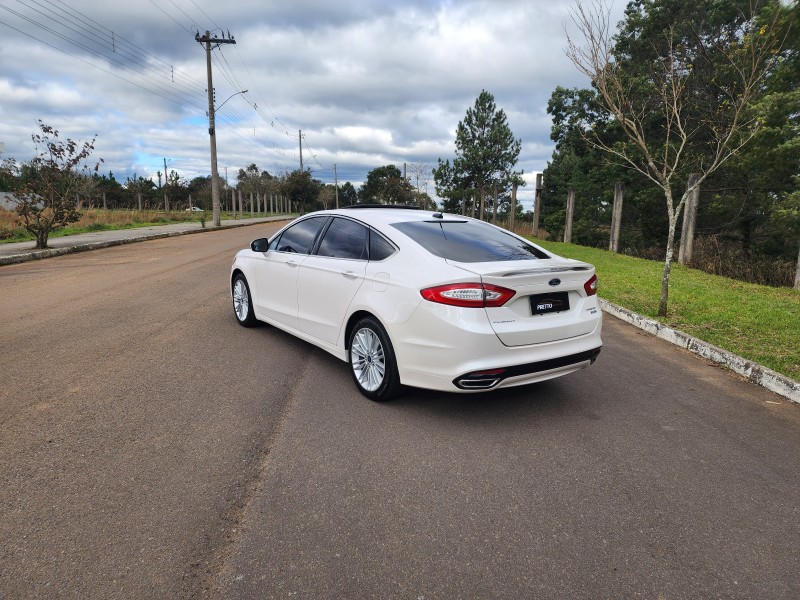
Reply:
x=350 y=274
x=292 y=263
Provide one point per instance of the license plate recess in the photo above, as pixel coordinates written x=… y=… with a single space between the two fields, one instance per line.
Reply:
x=552 y=302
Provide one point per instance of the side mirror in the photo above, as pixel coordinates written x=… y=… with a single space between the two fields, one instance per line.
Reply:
x=260 y=245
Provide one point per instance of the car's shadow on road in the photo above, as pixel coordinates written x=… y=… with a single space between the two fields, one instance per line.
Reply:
x=539 y=401
x=569 y=396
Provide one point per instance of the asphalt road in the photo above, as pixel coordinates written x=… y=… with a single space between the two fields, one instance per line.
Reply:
x=152 y=448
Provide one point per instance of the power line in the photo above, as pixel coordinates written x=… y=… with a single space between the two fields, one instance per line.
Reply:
x=67 y=27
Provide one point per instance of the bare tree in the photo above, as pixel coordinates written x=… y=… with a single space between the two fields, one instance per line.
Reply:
x=421 y=172
x=692 y=134
x=48 y=184
x=326 y=196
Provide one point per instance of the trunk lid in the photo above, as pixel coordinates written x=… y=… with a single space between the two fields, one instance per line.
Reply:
x=550 y=303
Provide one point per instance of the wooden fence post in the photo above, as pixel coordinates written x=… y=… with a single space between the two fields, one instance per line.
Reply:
x=689 y=221
x=537 y=205
x=616 y=216
x=570 y=213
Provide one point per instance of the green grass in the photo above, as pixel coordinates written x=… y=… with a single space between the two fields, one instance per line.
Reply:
x=756 y=322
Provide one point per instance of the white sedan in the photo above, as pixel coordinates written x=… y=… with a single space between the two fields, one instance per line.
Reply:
x=430 y=300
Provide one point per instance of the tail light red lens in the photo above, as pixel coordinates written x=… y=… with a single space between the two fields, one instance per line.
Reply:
x=591 y=286
x=468 y=295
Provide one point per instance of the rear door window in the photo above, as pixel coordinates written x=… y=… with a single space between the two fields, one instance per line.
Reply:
x=468 y=241
x=344 y=239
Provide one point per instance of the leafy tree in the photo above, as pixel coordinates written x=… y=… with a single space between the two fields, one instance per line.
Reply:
x=142 y=190
x=578 y=165
x=48 y=184
x=386 y=185
x=347 y=194
x=8 y=174
x=301 y=188
x=678 y=80
x=199 y=189
x=486 y=153
x=453 y=185
x=753 y=196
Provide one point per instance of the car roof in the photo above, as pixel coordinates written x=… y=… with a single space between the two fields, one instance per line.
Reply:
x=386 y=215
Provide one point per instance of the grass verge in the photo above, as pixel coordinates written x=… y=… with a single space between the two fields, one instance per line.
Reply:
x=756 y=322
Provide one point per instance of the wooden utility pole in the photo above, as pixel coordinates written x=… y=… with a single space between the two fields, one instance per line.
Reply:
x=300 y=137
x=797 y=272
x=689 y=221
x=512 y=221
x=208 y=40
x=166 y=181
x=616 y=217
x=570 y=213
x=336 y=185
x=494 y=211
x=537 y=205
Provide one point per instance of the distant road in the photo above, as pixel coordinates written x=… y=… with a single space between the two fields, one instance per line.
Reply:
x=152 y=448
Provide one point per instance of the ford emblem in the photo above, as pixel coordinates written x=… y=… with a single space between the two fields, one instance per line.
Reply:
x=554 y=282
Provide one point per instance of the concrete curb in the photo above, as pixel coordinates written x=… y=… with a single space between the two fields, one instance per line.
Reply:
x=775 y=382
x=33 y=254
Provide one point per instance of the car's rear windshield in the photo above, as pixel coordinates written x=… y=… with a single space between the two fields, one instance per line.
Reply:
x=468 y=241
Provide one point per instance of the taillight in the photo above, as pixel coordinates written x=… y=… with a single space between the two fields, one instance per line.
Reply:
x=591 y=286
x=468 y=295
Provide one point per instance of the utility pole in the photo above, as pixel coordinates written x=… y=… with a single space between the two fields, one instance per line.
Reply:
x=208 y=40
x=336 y=185
x=300 y=137
x=166 y=182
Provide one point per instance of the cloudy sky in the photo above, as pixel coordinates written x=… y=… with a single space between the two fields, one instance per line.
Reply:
x=368 y=82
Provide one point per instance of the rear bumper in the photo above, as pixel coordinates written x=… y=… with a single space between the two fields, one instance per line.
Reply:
x=441 y=347
x=527 y=373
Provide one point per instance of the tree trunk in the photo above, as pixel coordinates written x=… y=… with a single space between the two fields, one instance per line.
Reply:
x=41 y=238
x=662 y=305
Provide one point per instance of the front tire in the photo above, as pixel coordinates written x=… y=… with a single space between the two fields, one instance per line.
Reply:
x=372 y=361
x=243 y=302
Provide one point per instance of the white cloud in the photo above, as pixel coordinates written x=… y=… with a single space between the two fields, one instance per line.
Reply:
x=369 y=83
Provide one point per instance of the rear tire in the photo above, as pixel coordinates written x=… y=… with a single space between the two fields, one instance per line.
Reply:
x=243 y=302
x=372 y=361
